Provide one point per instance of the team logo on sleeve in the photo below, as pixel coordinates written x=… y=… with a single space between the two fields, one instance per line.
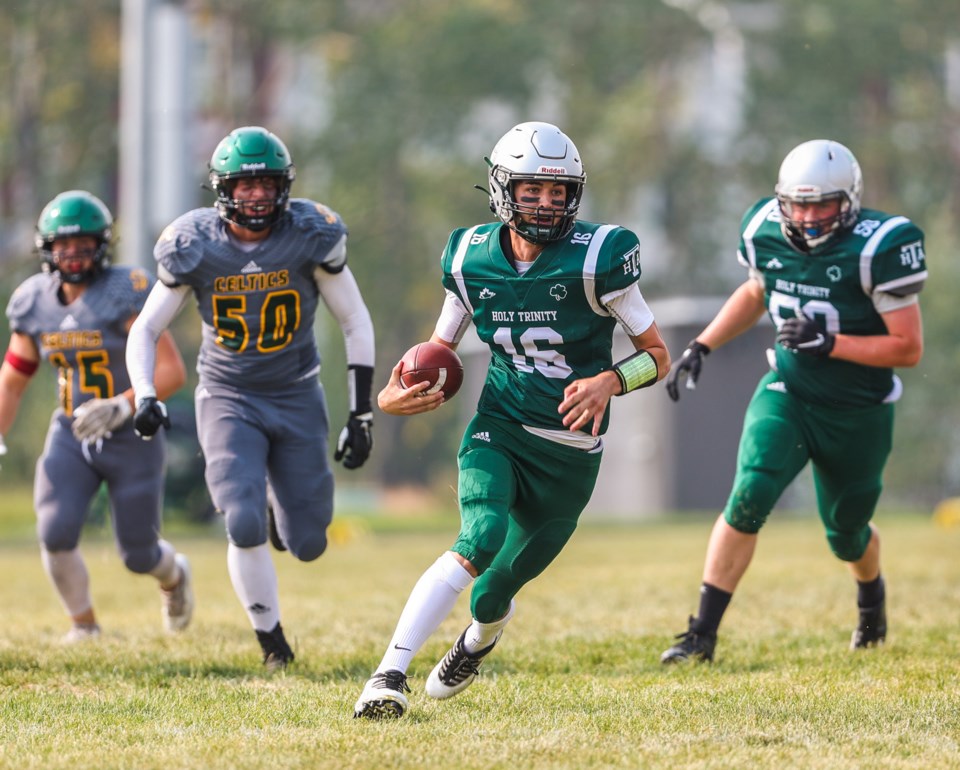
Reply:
x=631 y=261
x=911 y=254
x=558 y=292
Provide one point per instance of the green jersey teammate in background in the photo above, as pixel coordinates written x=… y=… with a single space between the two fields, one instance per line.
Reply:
x=841 y=286
x=545 y=293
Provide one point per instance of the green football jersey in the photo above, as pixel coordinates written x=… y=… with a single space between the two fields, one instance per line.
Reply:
x=834 y=285
x=547 y=327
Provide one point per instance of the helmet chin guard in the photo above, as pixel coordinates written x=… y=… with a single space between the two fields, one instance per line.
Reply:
x=535 y=152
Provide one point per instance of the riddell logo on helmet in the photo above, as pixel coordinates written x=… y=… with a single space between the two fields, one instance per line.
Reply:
x=67 y=229
x=551 y=170
x=252 y=166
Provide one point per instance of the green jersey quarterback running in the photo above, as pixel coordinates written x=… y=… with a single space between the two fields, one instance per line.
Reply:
x=548 y=326
x=544 y=293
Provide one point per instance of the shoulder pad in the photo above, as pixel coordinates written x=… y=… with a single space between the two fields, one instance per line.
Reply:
x=180 y=248
x=126 y=288
x=23 y=298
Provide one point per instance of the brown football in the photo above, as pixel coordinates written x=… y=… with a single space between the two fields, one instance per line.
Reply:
x=434 y=363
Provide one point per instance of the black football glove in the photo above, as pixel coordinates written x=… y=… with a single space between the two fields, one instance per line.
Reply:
x=688 y=366
x=356 y=441
x=802 y=335
x=150 y=416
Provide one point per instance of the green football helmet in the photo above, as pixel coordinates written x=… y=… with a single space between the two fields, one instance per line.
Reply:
x=250 y=151
x=74 y=212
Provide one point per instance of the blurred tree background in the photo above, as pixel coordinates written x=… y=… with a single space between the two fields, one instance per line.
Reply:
x=682 y=110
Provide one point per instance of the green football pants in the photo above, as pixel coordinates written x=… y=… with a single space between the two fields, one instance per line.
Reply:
x=848 y=448
x=520 y=499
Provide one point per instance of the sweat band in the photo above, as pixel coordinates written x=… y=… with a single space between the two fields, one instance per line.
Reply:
x=22 y=365
x=636 y=371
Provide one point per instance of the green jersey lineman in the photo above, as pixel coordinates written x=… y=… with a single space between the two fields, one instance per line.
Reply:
x=841 y=285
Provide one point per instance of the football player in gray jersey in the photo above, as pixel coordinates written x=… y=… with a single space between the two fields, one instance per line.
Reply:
x=76 y=314
x=841 y=285
x=545 y=293
x=258 y=263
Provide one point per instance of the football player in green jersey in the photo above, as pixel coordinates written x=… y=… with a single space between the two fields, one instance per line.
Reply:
x=841 y=284
x=545 y=293
x=76 y=314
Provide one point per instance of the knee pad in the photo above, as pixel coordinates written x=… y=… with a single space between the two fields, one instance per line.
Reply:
x=849 y=546
x=481 y=537
x=308 y=547
x=246 y=528
x=752 y=499
x=53 y=540
x=140 y=559
x=491 y=595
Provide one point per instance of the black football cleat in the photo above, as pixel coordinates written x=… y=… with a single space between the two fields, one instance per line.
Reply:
x=276 y=652
x=871 y=631
x=691 y=645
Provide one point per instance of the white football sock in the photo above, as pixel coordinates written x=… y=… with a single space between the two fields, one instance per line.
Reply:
x=166 y=570
x=255 y=582
x=479 y=635
x=432 y=599
x=69 y=576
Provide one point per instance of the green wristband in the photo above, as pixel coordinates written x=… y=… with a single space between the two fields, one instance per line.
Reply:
x=636 y=371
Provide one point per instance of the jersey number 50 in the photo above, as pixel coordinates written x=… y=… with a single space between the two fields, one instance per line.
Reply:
x=279 y=319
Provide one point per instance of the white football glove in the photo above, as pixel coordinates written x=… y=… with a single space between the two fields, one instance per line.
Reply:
x=96 y=419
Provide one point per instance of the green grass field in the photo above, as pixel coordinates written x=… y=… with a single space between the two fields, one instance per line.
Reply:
x=575 y=682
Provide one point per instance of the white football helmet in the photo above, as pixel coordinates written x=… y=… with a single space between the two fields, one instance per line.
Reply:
x=815 y=171
x=535 y=151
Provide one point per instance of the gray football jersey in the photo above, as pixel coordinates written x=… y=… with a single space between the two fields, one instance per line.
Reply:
x=257 y=306
x=86 y=339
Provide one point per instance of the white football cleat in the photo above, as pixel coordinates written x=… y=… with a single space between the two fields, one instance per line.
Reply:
x=80 y=634
x=383 y=696
x=178 y=602
x=457 y=669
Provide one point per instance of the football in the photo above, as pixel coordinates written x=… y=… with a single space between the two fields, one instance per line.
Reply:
x=434 y=363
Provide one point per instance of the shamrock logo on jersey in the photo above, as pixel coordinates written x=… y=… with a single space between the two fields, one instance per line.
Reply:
x=558 y=292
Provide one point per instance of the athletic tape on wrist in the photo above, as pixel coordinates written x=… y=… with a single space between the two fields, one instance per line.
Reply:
x=636 y=371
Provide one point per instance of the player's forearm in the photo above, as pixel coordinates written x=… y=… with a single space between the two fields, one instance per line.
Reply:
x=739 y=314
x=882 y=350
x=171 y=373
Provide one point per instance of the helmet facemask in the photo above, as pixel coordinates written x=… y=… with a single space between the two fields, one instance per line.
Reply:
x=535 y=152
x=240 y=212
x=808 y=234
